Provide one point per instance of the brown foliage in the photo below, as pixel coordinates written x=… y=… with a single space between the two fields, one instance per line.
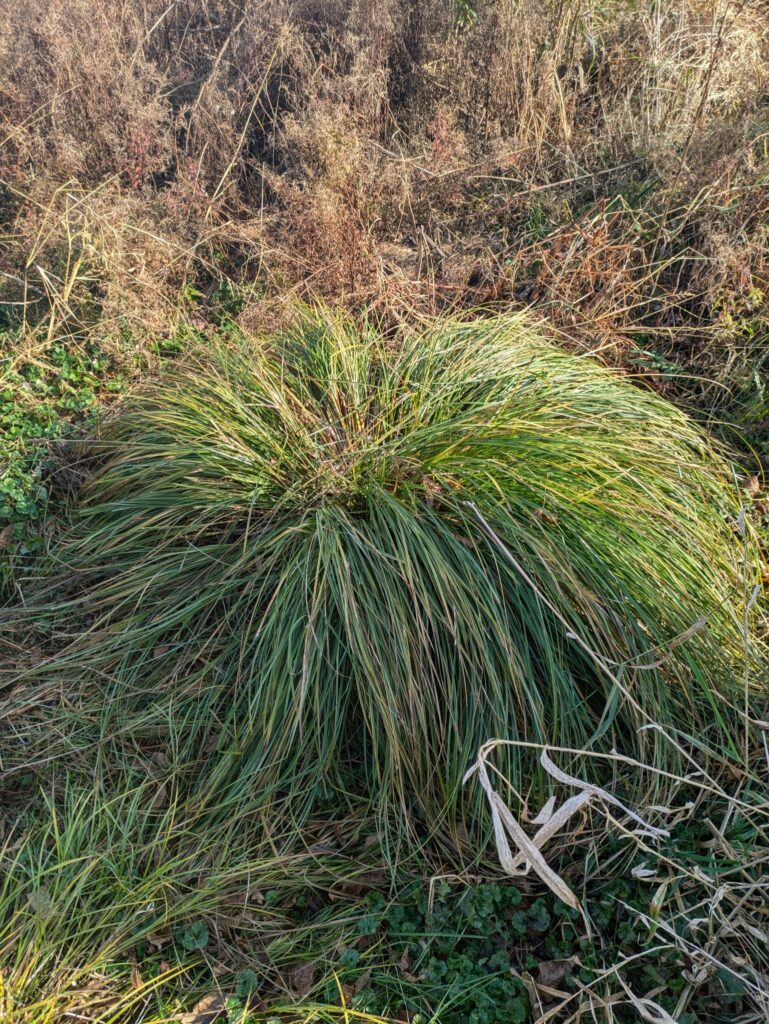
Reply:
x=608 y=166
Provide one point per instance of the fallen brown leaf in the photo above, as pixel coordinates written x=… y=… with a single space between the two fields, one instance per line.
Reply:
x=552 y=972
x=545 y=517
x=362 y=981
x=209 y=1009
x=405 y=966
x=752 y=485
x=158 y=939
x=302 y=978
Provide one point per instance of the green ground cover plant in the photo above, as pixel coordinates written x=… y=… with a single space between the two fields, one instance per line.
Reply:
x=43 y=399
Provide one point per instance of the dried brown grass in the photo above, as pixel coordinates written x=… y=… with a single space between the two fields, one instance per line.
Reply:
x=609 y=165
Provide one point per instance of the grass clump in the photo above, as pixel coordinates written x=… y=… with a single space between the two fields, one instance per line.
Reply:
x=325 y=562
x=115 y=904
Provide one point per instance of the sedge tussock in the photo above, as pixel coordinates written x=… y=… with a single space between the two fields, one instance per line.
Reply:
x=328 y=556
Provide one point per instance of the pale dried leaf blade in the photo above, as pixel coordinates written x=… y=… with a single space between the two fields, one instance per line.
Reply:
x=647 y=1009
x=557 y=822
x=569 y=780
x=504 y=852
x=505 y=825
x=538 y=863
x=545 y=814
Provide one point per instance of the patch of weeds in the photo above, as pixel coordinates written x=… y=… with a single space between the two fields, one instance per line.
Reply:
x=194 y=936
x=456 y=955
x=247 y=984
x=44 y=399
x=48 y=399
x=740 y=408
x=175 y=344
x=537 y=223
x=656 y=362
x=228 y=299
x=460 y=956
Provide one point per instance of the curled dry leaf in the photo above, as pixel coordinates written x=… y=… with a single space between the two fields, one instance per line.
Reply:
x=506 y=825
x=405 y=965
x=752 y=485
x=642 y=871
x=602 y=794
